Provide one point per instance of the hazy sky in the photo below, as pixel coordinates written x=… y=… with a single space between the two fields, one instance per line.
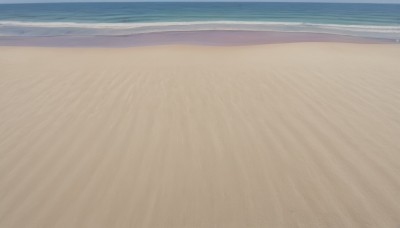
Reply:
x=343 y=1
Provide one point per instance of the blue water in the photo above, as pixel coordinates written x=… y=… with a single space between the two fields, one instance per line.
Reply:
x=366 y=20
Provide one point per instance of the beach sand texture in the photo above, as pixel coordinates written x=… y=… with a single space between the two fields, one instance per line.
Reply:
x=283 y=135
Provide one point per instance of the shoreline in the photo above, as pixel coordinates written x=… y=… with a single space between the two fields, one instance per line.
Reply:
x=204 y=37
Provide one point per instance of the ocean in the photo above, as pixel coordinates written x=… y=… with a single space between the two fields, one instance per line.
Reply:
x=119 y=19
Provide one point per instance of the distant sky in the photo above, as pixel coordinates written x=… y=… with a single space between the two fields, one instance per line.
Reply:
x=341 y=1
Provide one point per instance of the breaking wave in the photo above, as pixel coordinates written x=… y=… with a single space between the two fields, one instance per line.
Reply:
x=26 y=28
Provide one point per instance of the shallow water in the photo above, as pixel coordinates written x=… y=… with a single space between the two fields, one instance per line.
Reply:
x=115 y=19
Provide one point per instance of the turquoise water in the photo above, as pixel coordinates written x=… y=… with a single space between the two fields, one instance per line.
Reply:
x=110 y=19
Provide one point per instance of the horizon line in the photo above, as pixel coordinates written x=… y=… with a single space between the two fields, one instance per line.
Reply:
x=201 y=1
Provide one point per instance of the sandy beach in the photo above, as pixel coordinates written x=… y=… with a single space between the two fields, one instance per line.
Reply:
x=180 y=136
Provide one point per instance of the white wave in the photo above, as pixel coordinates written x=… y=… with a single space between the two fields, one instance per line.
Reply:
x=386 y=31
x=135 y=25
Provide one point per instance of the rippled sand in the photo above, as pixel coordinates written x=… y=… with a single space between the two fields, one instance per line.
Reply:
x=289 y=135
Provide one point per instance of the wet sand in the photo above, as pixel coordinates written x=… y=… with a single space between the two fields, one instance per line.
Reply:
x=283 y=135
x=215 y=38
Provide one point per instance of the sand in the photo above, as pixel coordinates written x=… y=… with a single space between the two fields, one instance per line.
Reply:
x=282 y=135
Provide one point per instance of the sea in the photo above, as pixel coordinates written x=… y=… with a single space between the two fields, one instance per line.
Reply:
x=121 y=19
